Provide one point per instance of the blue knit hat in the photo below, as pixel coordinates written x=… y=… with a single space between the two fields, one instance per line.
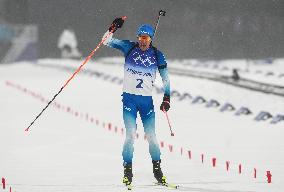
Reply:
x=145 y=29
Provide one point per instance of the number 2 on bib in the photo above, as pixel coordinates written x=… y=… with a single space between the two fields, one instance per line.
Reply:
x=140 y=81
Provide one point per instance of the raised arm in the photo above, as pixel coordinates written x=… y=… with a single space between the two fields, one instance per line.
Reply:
x=122 y=45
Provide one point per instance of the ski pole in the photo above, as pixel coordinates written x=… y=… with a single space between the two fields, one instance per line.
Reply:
x=172 y=133
x=73 y=75
x=161 y=13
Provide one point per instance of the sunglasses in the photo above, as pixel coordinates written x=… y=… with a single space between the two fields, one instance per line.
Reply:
x=144 y=37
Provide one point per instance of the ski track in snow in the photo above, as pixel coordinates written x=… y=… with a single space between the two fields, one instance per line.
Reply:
x=68 y=152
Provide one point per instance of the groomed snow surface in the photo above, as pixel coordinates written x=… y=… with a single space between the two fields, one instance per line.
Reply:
x=76 y=143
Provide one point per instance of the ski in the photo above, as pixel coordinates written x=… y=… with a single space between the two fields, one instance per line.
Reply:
x=171 y=186
x=168 y=185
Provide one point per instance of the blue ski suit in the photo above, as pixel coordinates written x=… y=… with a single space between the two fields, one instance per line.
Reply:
x=139 y=75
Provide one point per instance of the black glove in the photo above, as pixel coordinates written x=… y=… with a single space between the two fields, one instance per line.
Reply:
x=165 y=106
x=117 y=23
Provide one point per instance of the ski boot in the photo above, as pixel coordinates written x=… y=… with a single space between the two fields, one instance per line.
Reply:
x=158 y=174
x=127 y=178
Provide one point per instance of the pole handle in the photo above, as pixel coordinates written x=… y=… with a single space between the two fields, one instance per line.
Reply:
x=162 y=13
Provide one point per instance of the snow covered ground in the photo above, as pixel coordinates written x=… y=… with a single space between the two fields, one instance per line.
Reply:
x=72 y=148
x=264 y=71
